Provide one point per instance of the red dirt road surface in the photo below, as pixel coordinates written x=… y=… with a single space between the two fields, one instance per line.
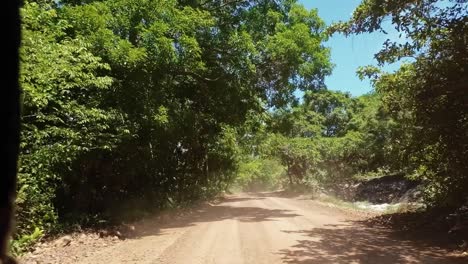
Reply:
x=266 y=228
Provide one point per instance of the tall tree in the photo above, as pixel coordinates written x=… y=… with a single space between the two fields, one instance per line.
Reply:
x=428 y=95
x=137 y=103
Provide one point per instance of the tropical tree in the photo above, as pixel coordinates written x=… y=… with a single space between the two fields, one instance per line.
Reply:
x=427 y=96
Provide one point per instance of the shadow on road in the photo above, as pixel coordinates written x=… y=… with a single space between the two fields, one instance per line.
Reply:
x=355 y=243
x=279 y=193
x=342 y=242
x=243 y=214
x=240 y=199
x=226 y=210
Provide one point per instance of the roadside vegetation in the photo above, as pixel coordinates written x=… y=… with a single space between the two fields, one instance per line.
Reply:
x=132 y=106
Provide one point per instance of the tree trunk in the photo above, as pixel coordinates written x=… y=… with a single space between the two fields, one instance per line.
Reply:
x=290 y=176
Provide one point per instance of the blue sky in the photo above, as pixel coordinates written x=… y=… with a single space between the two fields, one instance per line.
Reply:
x=348 y=53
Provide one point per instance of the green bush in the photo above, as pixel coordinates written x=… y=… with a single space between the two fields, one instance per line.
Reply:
x=260 y=175
x=26 y=241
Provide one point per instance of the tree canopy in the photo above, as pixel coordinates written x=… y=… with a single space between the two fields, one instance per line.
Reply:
x=132 y=104
x=137 y=105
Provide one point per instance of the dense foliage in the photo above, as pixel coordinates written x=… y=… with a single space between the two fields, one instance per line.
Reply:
x=328 y=138
x=132 y=105
x=427 y=97
x=416 y=121
x=137 y=105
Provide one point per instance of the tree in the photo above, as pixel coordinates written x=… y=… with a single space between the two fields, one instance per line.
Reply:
x=186 y=72
x=131 y=104
x=62 y=112
x=427 y=95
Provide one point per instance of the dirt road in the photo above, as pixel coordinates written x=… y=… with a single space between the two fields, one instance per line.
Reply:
x=267 y=228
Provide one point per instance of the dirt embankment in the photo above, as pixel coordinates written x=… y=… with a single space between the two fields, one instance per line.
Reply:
x=387 y=189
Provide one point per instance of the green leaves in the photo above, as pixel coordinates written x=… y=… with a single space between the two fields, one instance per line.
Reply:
x=63 y=112
x=331 y=137
x=139 y=102
x=295 y=48
x=426 y=98
x=258 y=174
